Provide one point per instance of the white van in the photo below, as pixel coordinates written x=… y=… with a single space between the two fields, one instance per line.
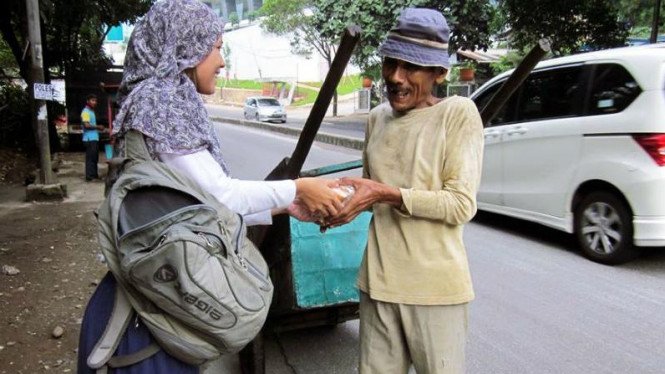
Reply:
x=580 y=147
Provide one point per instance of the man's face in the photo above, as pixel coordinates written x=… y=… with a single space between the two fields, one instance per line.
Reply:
x=92 y=103
x=409 y=86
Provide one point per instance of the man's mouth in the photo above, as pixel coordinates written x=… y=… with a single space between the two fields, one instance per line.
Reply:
x=398 y=92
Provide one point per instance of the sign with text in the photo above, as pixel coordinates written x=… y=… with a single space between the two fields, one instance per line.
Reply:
x=50 y=92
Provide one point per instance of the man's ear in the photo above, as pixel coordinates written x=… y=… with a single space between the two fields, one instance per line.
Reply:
x=441 y=75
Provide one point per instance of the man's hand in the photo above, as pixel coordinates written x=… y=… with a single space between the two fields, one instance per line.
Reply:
x=298 y=211
x=368 y=193
x=100 y=128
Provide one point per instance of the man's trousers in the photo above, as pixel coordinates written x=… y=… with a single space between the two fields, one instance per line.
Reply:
x=395 y=336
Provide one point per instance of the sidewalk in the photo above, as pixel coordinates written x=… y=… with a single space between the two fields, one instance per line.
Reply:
x=53 y=249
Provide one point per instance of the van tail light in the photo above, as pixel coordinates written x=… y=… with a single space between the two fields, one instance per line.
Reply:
x=654 y=145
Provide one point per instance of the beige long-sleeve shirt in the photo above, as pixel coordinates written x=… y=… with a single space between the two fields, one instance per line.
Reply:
x=415 y=254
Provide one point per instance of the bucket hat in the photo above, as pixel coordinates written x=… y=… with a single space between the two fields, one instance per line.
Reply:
x=420 y=37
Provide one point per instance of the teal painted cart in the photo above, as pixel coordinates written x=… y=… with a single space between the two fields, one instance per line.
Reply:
x=314 y=274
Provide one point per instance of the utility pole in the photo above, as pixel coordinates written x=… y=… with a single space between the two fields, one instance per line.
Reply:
x=39 y=106
x=656 y=21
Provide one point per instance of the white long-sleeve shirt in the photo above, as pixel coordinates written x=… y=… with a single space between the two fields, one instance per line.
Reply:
x=254 y=200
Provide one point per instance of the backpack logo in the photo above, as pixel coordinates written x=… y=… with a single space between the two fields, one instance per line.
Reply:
x=165 y=274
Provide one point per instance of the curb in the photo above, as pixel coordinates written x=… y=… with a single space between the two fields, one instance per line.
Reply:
x=323 y=137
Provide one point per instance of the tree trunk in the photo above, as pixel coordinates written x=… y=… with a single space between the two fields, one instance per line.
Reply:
x=334 y=113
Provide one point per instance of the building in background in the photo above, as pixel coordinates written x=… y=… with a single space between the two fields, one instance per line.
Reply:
x=253 y=53
x=243 y=8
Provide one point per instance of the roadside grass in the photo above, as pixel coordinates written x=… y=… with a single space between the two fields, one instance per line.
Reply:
x=304 y=96
x=347 y=84
x=246 y=84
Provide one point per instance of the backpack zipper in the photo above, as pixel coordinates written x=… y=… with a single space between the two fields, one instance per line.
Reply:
x=247 y=265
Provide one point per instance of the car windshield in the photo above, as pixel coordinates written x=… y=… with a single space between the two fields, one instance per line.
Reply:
x=268 y=102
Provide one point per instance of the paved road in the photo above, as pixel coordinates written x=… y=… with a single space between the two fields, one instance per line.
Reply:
x=539 y=308
x=349 y=125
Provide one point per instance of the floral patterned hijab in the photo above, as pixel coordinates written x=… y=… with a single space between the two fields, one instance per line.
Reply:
x=156 y=97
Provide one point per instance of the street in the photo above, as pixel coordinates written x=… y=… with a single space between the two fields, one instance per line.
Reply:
x=346 y=124
x=540 y=306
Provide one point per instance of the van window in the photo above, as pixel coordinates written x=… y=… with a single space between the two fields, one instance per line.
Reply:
x=612 y=90
x=551 y=94
x=504 y=114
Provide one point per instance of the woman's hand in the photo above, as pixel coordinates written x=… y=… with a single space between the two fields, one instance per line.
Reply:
x=367 y=193
x=317 y=195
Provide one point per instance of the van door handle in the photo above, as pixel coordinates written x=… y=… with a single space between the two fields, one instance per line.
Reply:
x=516 y=131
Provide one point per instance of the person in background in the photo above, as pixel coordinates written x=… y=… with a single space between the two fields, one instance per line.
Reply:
x=91 y=137
x=422 y=165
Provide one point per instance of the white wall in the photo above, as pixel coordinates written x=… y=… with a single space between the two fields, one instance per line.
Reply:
x=253 y=49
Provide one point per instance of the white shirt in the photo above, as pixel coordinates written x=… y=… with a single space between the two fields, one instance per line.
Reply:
x=254 y=200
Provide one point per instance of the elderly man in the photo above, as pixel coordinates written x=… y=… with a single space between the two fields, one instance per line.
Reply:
x=422 y=164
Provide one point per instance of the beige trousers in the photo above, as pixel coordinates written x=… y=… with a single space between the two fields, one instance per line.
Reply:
x=394 y=336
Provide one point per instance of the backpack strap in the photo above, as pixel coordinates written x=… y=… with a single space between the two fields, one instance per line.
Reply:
x=101 y=357
x=135 y=148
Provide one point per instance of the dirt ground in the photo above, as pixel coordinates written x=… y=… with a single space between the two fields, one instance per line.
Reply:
x=53 y=247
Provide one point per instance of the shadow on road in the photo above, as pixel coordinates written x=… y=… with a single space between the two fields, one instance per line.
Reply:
x=527 y=230
x=652 y=259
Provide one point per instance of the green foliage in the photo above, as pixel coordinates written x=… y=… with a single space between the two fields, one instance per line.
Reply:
x=507 y=62
x=251 y=16
x=469 y=20
x=304 y=96
x=638 y=14
x=15 y=125
x=291 y=17
x=467 y=64
x=571 y=24
x=226 y=53
x=72 y=30
x=349 y=84
x=8 y=65
x=239 y=83
x=234 y=20
x=373 y=71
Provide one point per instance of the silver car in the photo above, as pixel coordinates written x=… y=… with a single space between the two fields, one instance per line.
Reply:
x=264 y=109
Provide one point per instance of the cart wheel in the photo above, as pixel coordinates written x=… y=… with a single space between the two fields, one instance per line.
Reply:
x=252 y=357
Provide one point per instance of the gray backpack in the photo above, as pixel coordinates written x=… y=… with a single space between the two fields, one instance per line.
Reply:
x=182 y=263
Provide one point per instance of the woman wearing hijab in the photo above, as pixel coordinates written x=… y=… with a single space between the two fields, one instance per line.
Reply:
x=174 y=54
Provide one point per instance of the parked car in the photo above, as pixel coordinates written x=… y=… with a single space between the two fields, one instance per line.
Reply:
x=264 y=109
x=580 y=147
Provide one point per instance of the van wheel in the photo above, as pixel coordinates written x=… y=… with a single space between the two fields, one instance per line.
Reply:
x=604 y=229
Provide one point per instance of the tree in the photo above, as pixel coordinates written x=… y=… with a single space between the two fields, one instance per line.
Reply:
x=468 y=19
x=295 y=18
x=234 y=20
x=8 y=66
x=638 y=15
x=72 y=31
x=571 y=24
x=226 y=52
